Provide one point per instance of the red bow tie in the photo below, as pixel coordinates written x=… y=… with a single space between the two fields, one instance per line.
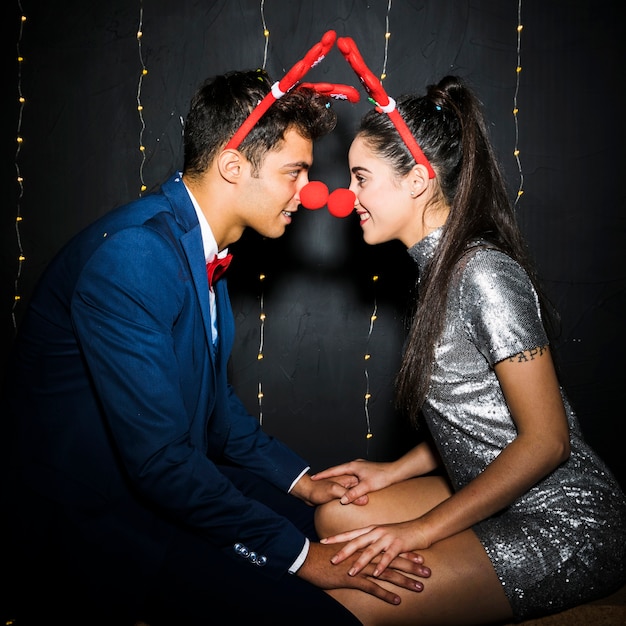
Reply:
x=217 y=267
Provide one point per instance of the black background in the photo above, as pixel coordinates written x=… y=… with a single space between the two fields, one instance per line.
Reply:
x=80 y=158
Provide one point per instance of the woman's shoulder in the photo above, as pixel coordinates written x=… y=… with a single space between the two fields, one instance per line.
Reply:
x=482 y=259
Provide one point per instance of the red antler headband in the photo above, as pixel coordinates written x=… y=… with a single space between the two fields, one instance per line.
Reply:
x=291 y=78
x=386 y=104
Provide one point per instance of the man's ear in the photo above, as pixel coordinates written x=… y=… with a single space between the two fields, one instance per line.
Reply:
x=230 y=165
x=418 y=179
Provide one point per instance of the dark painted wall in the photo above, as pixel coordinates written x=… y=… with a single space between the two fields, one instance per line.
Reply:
x=80 y=158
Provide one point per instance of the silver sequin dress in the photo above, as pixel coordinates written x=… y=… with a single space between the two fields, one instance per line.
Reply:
x=564 y=542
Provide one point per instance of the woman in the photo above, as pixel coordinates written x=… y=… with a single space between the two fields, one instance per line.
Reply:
x=525 y=520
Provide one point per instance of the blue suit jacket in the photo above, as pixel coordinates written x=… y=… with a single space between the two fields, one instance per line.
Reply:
x=124 y=400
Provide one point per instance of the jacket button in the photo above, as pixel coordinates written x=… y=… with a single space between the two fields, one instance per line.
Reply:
x=241 y=550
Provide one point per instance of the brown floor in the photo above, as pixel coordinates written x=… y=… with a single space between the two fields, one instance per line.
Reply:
x=609 y=611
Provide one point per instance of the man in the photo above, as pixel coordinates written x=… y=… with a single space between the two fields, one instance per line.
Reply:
x=141 y=487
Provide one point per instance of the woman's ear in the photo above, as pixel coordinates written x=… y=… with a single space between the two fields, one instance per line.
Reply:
x=418 y=180
x=229 y=165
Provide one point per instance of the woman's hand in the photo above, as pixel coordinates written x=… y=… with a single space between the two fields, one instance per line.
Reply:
x=367 y=476
x=379 y=545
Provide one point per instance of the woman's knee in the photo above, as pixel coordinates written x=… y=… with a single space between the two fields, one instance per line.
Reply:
x=329 y=519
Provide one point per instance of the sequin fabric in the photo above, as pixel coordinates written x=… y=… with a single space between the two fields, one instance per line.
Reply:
x=564 y=542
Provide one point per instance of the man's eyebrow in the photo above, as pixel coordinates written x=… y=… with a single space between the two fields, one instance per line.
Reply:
x=301 y=164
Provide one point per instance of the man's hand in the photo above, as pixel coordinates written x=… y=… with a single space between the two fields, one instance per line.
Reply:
x=365 y=477
x=318 y=570
x=321 y=491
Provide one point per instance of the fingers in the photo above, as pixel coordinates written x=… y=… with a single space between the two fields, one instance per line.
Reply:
x=361 y=500
x=332 y=472
x=401 y=580
x=369 y=586
x=413 y=557
x=365 y=582
x=398 y=570
x=321 y=491
x=374 y=553
x=347 y=480
x=356 y=495
x=347 y=536
x=413 y=564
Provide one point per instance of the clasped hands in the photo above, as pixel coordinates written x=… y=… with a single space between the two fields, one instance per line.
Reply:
x=381 y=552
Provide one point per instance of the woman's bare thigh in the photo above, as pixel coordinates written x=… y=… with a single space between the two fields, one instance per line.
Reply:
x=463 y=587
x=399 y=502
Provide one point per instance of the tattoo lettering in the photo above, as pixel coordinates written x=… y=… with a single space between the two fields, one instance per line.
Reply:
x=528 y=355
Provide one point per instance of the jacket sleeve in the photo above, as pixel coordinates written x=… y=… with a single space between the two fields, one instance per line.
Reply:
x=249 y=446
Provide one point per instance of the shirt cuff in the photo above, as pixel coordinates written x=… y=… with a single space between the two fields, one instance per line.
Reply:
x=301 y=557
x=298 y=477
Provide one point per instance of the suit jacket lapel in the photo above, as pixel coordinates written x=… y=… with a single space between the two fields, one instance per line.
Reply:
x=191 y=242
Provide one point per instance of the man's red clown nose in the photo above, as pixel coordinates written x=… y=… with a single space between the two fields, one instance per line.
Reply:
x=314 y=195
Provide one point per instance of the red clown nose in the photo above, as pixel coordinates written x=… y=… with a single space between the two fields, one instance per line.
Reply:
x=314 y=195
x=341 y=202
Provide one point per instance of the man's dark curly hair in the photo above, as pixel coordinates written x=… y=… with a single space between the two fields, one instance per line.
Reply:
x=222 y=104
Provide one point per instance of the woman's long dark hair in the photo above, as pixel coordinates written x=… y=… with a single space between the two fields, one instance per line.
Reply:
x=450 y=128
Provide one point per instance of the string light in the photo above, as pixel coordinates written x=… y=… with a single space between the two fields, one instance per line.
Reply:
x=266 y=33
x=259 y=355
x=367 y=357
x=518 y=71
x=142 y=74
x=374 y=316
x=20 y=180
x=383 y=74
